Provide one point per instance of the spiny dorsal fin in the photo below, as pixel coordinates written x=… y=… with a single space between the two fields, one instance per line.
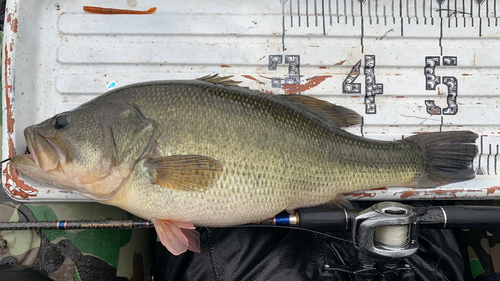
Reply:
x=338 y=115
x=216 y=79
x=185 y=172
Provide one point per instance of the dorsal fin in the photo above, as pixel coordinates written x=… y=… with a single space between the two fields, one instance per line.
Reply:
x=216 y=79
x=340 y=116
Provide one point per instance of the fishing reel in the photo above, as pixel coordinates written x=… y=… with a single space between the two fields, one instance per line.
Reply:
x=383 y=236
x=386 y=230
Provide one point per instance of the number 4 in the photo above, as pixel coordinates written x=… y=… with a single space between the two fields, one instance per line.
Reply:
x=371 y=87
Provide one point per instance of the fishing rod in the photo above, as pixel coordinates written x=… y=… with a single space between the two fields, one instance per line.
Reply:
x=75 y=224
x=383 y=235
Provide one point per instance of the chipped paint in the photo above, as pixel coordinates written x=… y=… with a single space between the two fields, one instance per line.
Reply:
x=359 y=195
x=420 y=194
x=224 y=65
x=18 y=190
x=311 y=83
x=253 y=79
x=13 y=185
x=492 y=190
x=340 y=62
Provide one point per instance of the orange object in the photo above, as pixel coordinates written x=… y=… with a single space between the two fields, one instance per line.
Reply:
x=99 y=10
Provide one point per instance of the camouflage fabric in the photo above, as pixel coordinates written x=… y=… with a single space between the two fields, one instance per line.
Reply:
x=74 y=254
x=481 y=248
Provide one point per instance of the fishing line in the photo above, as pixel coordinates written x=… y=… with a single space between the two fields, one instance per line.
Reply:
x=298 y=228
x=3 y=161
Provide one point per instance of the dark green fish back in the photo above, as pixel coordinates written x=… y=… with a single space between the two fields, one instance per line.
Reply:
x=265 y=132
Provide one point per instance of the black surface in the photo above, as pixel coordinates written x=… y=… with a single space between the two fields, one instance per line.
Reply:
x=261 y=253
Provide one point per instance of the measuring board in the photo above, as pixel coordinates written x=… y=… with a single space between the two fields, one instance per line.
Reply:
x=407 y=67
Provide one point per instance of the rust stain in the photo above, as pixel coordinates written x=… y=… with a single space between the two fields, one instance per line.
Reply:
x=13 y=22
x=466 y=74
x=400 y=97
x=340 y=62
x=359 y=195
x=322 y=67
x=435 y=111
x=478 y=103
x=397 y=74
x=409 y=193
x=267 y=92
x=21 y=189
x=440 y=93
x=8 y=88
x=380 y=188
x=311 y=83
x=252 y=78
x=224 y=65
x=13 y=184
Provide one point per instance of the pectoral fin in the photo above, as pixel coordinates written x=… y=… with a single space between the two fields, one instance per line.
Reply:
x=178 y=237
x=185 y=172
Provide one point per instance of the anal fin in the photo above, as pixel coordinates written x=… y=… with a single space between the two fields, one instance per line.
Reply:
x=178 y=237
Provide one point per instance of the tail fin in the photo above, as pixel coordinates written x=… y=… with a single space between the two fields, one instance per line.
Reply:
x=447 y=156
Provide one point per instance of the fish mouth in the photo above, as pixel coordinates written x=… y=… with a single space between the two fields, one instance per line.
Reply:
x=44 y=152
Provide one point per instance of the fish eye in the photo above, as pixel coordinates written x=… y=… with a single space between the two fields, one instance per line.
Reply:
x=62 y=122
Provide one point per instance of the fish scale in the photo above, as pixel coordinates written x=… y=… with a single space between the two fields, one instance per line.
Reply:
x=321 y=161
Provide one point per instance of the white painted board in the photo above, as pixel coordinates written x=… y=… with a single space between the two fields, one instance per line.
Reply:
x=407 y=66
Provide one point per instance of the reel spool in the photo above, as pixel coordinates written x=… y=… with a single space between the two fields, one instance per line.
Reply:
x=386 y=229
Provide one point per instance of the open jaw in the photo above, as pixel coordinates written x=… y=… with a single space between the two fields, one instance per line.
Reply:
x=44 y=153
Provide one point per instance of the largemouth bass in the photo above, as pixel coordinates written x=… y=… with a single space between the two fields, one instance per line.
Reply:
x=206 y=152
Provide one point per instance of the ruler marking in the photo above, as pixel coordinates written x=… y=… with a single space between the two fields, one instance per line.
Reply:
x=298 y=10
x=362 y=26
x=440 y=29
x=456 y=11
x=385 y=17
x=471 y=17
x=401 y=15
x=430 y=12
x=423 y=12
x=392 y=9
x=496 y=155
x=463 y=8
x=307 y=13
x=488 y=161
x=376 y=10
x=480 y=19
x=345 y=11
x=495 y=11
x=283 y=25
x=408 y=10
x=352 y=12
x=315 y=14
x=291 y=14
x=448 y=14
x=488 y=12
x=337 y=9
x=330 y=11
x=323 y=15
x=415 y=7
x=369 y=12
x=479 y=169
